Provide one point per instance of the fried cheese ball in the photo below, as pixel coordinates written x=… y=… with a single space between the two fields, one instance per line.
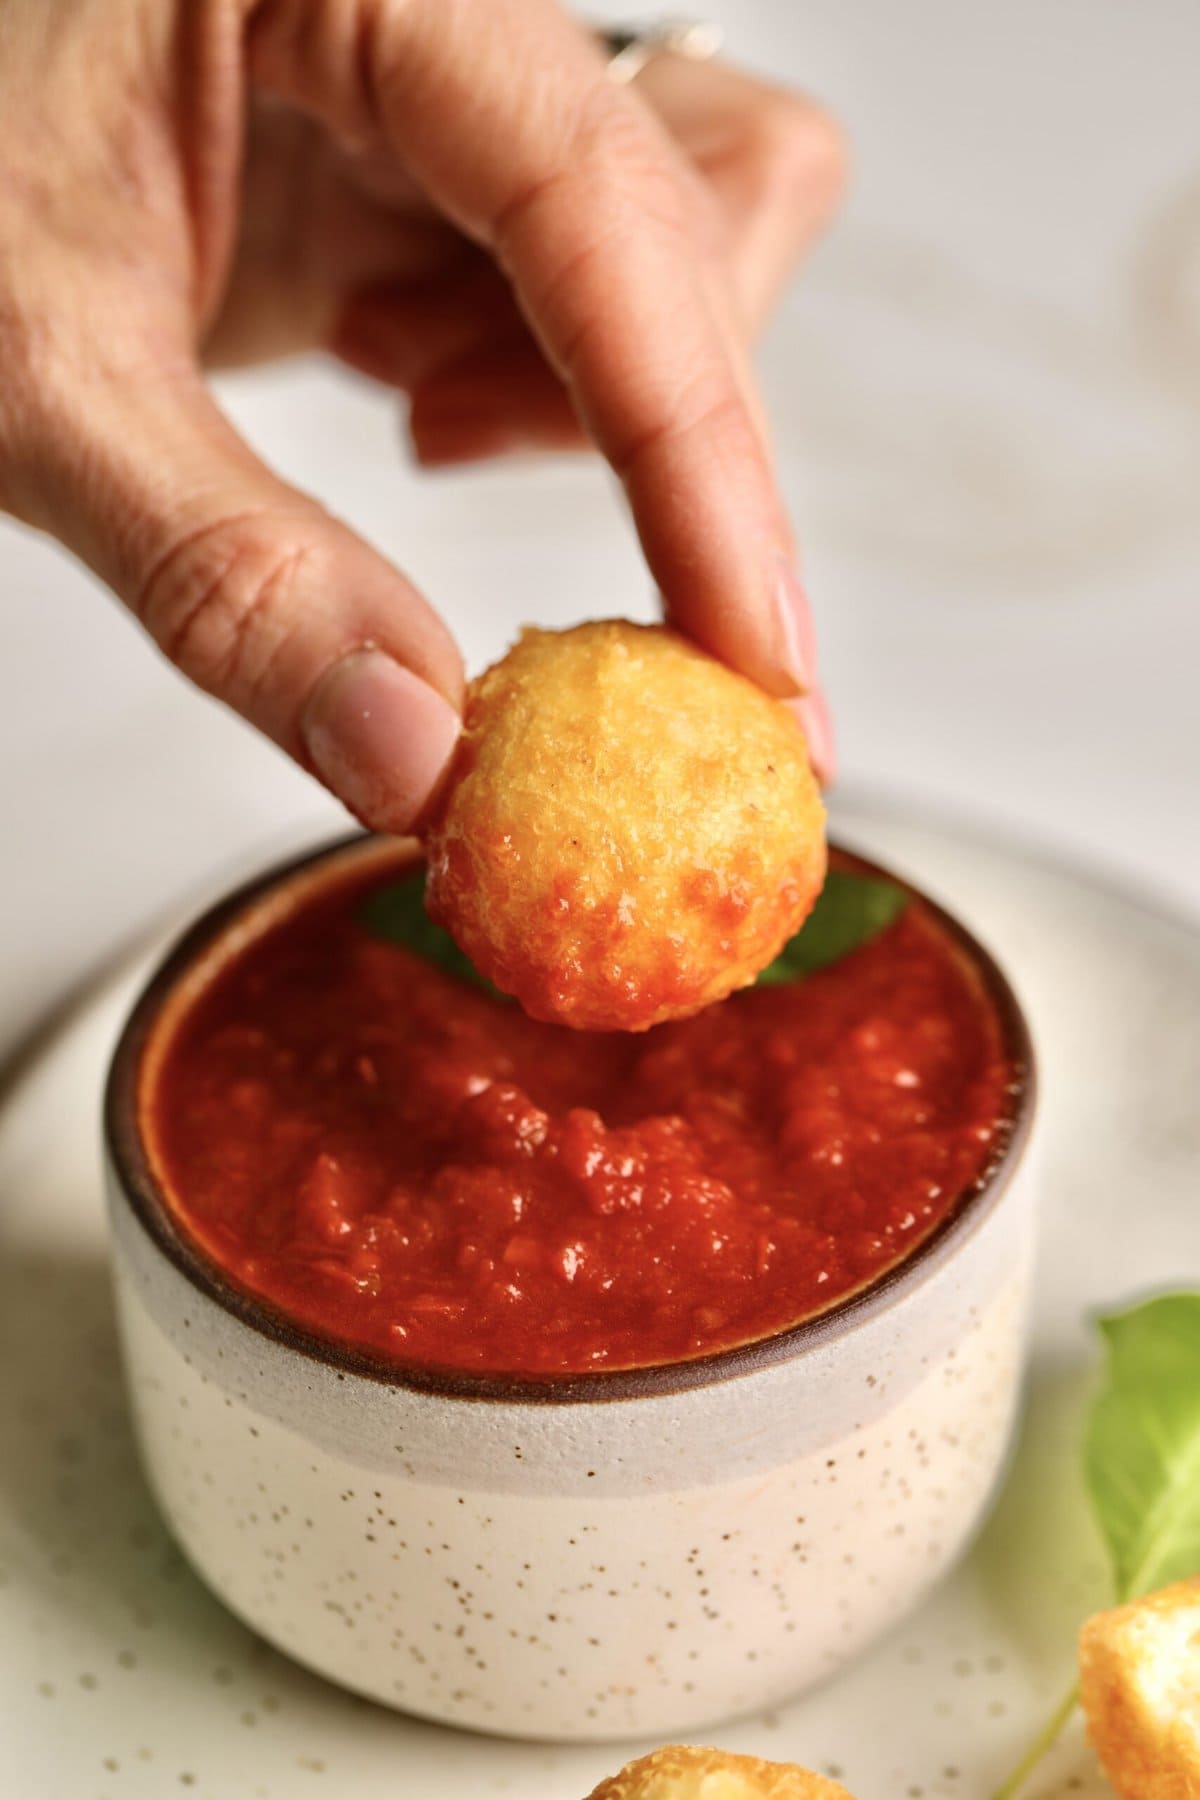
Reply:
x=630 y=830
x=1139 y=1684
x=684 y=1772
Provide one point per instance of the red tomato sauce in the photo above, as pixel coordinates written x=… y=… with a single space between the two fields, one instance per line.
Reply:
x=397 y=1160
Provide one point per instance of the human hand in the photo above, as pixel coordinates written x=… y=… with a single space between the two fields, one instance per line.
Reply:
x=452 y=196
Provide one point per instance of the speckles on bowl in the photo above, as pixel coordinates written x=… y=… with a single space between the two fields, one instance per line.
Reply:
x=518 y=1612
x=89 y=1574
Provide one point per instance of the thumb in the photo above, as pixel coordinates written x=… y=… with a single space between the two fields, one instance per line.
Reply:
x=260 y=597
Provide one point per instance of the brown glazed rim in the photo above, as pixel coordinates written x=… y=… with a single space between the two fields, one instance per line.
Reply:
x=141 y=1189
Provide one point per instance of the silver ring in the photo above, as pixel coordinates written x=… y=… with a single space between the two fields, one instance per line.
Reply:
x=630 y=48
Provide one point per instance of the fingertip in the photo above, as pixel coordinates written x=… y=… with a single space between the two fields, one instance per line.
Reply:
x=816 y=722
x=766 y=634
x=380 y=738
x=797 y=631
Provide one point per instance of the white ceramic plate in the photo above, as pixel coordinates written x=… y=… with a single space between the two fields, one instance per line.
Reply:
x=121 y=1679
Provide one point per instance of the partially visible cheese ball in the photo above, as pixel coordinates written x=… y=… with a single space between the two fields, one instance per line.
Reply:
x=1139 y=1684
x=687 y=1772
x=630 y=830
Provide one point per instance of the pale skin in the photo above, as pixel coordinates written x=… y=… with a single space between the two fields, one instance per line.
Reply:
x=454 y=197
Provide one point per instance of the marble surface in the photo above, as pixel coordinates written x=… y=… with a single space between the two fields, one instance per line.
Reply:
x=987 y=397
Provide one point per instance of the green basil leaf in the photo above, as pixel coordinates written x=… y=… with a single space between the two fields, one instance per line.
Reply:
x=1141 y=1460
x=397 y=912
x=1142 y=1451
x=850 y=911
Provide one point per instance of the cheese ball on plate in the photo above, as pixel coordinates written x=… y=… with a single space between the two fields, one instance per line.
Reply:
x=629 y=831
x=686 y=1772
x=1139 y=1684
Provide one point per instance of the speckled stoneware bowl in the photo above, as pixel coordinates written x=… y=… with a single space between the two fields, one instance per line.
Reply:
x=612 y=1555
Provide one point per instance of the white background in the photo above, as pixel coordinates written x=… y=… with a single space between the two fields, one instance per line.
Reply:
x=987 y=395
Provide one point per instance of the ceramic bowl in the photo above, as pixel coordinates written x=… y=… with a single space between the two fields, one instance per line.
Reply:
x=618 y=1554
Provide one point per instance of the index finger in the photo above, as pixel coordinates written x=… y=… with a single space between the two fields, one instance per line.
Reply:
x=507 y=118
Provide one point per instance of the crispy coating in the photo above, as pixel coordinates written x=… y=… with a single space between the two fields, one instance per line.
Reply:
x=1139 y=1683
x=630 y=830
x=686 y=1772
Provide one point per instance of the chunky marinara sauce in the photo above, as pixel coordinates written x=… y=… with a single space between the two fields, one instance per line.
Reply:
x=397 y=1160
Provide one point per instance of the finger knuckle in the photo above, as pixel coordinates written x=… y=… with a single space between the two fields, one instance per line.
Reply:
x=621 y=148
x=38 y=364
x=700 y=410
x=221 y=601
x=609 y=172
x=568 y=237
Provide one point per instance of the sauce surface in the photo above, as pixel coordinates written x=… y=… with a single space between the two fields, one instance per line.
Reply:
x=399 y=1161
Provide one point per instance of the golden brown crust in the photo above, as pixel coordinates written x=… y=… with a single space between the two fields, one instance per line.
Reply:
x=630 y=830
x=1139 y=1685
x=689 y=1772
